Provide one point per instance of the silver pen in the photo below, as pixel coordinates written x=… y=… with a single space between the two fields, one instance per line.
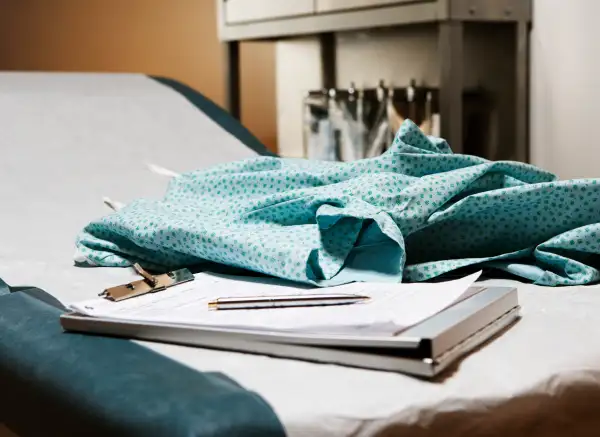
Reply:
x=284 y=301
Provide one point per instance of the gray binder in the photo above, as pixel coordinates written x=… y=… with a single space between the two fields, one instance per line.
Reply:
x=425 y=349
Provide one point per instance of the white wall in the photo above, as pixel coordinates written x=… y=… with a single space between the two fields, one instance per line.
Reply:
x=565 y=80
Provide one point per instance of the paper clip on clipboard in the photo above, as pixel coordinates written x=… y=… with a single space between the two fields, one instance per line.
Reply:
x=150 y=284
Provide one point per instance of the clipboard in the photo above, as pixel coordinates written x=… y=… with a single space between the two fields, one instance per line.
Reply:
x=425 y=349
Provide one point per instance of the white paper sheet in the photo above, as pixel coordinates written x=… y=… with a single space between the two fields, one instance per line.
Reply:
x=391 y=307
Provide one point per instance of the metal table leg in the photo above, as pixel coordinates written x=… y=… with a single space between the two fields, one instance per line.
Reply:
x=328 y=60
x=232 y=78
x=522 y=97
x=450 y=46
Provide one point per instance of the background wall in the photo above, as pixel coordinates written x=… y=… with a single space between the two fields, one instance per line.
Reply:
x=566 y=87
x=176 y=38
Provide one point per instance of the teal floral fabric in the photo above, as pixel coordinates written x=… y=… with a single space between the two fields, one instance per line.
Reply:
x=412 y=214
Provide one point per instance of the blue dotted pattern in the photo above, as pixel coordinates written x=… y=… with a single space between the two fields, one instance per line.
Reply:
x=414 y=213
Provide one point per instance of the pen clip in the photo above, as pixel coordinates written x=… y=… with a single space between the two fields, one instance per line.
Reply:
x=151 y=280
x=150 y=284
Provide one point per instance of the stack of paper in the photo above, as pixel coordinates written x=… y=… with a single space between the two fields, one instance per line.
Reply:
x=392 y=307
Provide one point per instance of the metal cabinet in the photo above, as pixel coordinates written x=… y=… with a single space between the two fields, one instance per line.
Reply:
x=242 y=11
x=345 y=5
x=245 y=20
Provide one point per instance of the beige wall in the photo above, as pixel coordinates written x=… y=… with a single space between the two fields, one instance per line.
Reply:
x=176 y=38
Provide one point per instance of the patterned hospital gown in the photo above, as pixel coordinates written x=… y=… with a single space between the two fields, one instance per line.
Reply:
x=414 y=213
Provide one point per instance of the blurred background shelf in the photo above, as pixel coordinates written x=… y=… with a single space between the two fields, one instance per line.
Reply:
x=454 y=22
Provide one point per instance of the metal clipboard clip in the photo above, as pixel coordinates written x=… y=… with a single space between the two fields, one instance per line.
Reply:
x=150 y=284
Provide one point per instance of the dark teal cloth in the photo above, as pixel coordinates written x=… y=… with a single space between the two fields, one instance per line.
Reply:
x=4 y=288
x=65 y=384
